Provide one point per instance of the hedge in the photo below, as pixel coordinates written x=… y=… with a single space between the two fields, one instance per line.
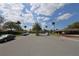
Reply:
x=10 y=32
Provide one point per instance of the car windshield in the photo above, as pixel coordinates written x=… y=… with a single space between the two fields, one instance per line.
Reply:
x=3 y=36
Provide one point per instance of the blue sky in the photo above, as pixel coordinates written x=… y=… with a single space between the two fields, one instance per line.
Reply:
x=44 y=13
x=68 y=8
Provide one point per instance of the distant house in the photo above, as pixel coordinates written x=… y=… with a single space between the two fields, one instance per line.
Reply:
x=71 y=29
x=68 y=31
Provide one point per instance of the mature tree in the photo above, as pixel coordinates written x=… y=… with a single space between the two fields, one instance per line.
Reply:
x=74 y=26
x=11 y=25
x=18 y=24
x=37 y=28
x=1 y=19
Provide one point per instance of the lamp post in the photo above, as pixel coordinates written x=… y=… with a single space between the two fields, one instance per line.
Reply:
x=25 y=27
x=47 y=30
x=53 y=23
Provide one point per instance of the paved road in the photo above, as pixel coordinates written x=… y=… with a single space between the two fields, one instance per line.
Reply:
x=32 y=45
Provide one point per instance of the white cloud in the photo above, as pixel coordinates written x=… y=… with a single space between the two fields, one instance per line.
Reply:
x=43 y=25
x=34 y=6
x=42 y=19
x=45 y=9
x=28 y=18
x=46 y=19
x=64 y=16
x=12 y=11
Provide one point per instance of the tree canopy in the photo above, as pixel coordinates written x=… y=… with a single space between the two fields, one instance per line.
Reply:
x=1 y=19
x=74 y=26
x=11 y=25
x=36 y=28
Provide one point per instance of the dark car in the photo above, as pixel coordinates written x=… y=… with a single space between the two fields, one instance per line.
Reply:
x=6 y=37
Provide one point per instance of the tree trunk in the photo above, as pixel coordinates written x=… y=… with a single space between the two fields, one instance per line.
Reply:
x=48 y=33
x=37 y=33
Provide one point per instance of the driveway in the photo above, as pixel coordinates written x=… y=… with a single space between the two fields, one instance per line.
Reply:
x=43 y=45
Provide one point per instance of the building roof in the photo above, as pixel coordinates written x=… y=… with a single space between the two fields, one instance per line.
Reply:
x=67 y=30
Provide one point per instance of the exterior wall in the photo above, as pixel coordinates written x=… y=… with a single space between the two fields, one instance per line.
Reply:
x=72 y=32
x=68 y=32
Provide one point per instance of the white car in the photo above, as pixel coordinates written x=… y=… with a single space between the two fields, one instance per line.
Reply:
x=6 y=37
x=24 y=34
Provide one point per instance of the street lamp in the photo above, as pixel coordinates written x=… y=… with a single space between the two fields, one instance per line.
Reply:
x=53 y=23
x=25 y=27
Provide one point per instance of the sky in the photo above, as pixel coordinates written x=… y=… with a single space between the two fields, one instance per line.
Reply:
x=43 y=13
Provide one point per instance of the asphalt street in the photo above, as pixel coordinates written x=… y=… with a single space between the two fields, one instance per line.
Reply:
x=43 y=45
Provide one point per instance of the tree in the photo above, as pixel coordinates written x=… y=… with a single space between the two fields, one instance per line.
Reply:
x=1 y=19
x=37 y=28
x=12 y=25
x=18 y=24
x=74 y=26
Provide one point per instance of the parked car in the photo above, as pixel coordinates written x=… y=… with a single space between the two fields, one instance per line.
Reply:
x=24 y=34
x=6 y=37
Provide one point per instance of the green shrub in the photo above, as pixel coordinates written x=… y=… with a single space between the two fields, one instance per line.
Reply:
x=10 y=32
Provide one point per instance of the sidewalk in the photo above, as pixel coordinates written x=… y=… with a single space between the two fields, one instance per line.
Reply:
x=71 y=37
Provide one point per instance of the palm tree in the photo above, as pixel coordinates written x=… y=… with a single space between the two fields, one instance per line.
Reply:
x=53 y=23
